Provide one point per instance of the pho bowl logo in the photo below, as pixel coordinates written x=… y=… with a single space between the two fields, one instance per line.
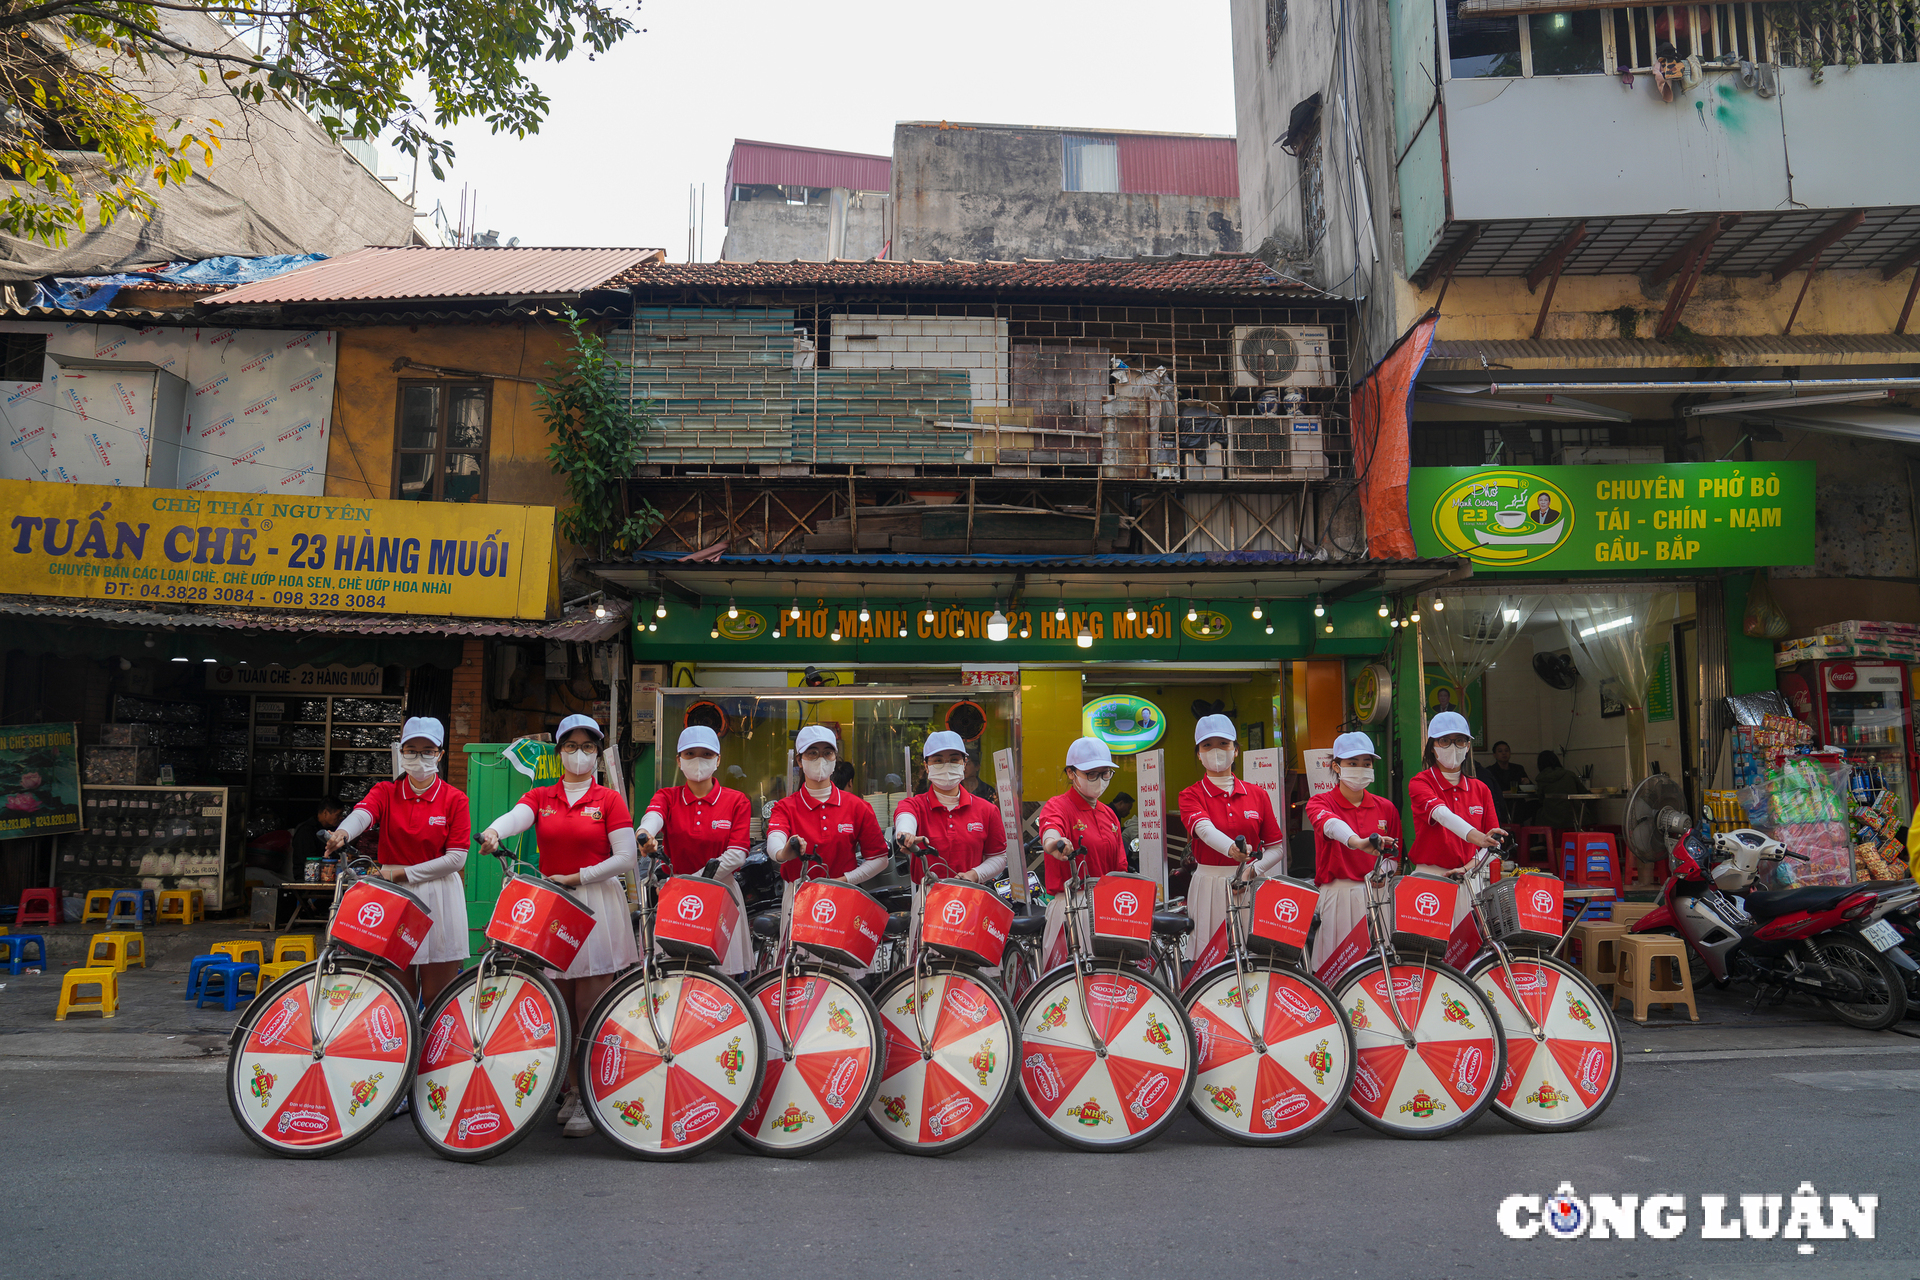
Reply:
x=748 y=626
x=522 y=911
x=954 y=913
x=371 y=915
x=1503 y=517
x=823 y=912
x=1207 y=626
x=691 y=907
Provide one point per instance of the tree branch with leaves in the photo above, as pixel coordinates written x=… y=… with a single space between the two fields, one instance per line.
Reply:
x=598 y=433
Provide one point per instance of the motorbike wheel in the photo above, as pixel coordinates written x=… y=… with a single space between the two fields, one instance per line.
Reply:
x=1886 y=1001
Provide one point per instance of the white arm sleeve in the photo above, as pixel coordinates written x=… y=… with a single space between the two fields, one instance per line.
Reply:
x=622 y=846
x=447 y=864
x=1337 y=831
x=651 y=824
x=866 y=871
x=990 y=869
x=776 y=844
x=1216 y=839
x=1452 y=821
x=905 y=824
x=356 y=823
x=1049 y=836
x=512 y=823
x=1276 y=856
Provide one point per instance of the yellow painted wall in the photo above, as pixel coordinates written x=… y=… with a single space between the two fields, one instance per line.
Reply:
x=1049 y=722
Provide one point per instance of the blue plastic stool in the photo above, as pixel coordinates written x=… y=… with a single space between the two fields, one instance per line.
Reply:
x=140 y=908
x=15 y=944
x=229 y=973
x=194 y=967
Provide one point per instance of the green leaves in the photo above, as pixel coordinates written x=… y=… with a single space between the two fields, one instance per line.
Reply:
x=597 y=437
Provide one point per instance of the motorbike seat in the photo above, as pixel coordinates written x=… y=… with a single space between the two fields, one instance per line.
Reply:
x=1027 y=926
x=766 y=925
x=1785 y=902
x=1167 y=922
x=897 y=924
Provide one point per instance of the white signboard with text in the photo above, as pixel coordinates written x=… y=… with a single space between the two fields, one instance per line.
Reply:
x=1151 y=770
x=1262 y=769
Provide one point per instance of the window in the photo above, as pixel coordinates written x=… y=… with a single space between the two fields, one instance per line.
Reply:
x=23 y=357
x=1566 y=44
x=441 y=446
x=1478 y=47
x=1089 y=163
x=1313 y=189
x=1507 y=45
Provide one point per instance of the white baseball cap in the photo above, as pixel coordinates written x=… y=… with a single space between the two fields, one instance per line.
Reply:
x=1089 y=753
x=697 y=735
x=1215 y=727
x=815 y=733
x=424 y=727
x=945 y=740
x=1448 y=722
x=573 y=722
x=1349 y=745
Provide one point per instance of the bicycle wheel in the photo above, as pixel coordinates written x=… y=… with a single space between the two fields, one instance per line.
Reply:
x=1111 y=1103
x=939 y=1100
x=1296 y=1086
x=806 y=1101
x=495 y=1054
x=1566 y=1078
x=304 y=1086
x=674 y=1100
x=1444 y=1082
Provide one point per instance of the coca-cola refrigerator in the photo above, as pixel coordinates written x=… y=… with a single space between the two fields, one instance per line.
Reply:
x=1863 y=708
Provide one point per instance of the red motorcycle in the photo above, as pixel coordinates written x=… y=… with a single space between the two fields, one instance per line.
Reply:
x=1824 y=941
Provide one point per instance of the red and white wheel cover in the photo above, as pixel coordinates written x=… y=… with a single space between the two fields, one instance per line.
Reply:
x=833 y=1045
x=659 y=1105
x=1450 y=1068
x=475 y=1105
x=1558 y=1081
x=1137 y=1083
x=292 y=1100
x=935 y=1100
x=1295 y=1081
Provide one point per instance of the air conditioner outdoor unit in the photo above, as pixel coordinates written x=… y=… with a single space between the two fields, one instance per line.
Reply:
x=1282 y=355
x=1268 y=447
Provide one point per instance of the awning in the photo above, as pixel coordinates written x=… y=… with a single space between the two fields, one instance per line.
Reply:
x=1900 y=426
x=1499 y=358
x=580 y=626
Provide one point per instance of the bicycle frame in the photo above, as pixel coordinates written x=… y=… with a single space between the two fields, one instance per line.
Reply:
x=1381 y=933
x=1471 y=879
x=1237 y=946
x=1080 y=908
x=916 y=952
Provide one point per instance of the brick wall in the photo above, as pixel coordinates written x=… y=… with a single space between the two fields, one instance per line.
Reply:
x=469 y=705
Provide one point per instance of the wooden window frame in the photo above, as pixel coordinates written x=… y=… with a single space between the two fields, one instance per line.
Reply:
x=447 y=387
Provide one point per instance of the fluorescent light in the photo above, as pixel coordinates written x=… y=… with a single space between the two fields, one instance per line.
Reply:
x=1746 y=404
x=1615 y=625
x=1510 y=616
x=1554 y=406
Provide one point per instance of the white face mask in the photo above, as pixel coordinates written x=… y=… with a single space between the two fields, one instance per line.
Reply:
x=579 y=763
x=1450 y=758
x=422 y=771
x=698 y=768
x=817 y=770
x=1089 y=787
x=1218 y=760
x=1357 y=776
x=946 y=777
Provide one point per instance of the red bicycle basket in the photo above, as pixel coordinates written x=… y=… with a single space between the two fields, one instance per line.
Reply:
x=1282 y=913
x=697 y=918
x=966 y=921
x=1122 y=914
x=838 y=922
x=1423 y=911
x=1525 y=909
x=382 y=920
x=541 y=919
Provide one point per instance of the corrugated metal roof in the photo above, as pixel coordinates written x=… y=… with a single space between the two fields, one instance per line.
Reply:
x=1232 y=273
x=579 y=626
x=1475 y=355
x=1155 y=164
x=779 y=164
x=392 y=273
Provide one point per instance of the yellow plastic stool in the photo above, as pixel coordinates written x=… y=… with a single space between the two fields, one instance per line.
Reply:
x=99 y=902
x=1640 y=958
x=1599 y=945
x=199 y=903
x=1628 y=912
x=119 y=950
x=278 y=969
x=175 y=904
x=300 y=946
x=240 y=951
x=105 y=1004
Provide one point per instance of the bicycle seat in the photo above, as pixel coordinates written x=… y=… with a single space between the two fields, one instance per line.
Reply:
x=766 y=926
x=1166 y=922
x=1785 y=902
x=897 y=924
x=1027 y=926
x=893 y=897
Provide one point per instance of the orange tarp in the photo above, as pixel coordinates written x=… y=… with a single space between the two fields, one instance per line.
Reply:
x=1382 y=409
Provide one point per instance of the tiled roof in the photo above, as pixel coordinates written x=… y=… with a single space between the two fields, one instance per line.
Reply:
x=391 y=274
x=1238 y=273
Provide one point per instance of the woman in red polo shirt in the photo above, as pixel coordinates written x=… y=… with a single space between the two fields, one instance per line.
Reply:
x=964 y=831
x=1453 y=816
x=424 y=833
x=1214 y=810
x=585 y=835
x=1075 y=819
x=823 y=820
x=1351 y=828
x=700 y=821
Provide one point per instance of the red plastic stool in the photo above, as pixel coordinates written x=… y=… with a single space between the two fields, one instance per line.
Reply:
x=1523 y=838
x=39 y=906
x=1591 y=860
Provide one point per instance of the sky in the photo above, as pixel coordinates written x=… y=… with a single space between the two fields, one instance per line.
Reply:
x=628 y=131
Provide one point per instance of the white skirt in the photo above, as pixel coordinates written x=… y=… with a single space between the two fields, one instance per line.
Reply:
x=1343 y=905
x=739 y=957
x=446 y=900
x=1052 y=931
x=610 y=947
x=1207 y=905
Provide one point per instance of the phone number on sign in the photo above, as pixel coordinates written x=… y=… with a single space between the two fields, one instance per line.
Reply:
x=247 y=595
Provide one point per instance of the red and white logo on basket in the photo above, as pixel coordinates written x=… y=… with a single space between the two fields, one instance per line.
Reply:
x=823 y=911
x=1286 y=910
x=690 y=907
x=371 y=915
x=1543 y=902
x=954 y=912
x=1125 y=903
x=522 y=911
x=1427 y=903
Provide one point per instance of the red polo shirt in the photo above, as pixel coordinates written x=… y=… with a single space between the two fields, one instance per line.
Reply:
x=1244 y=811
x=1374 y=815
x=415 y=826
x=698 y=829
x=573 y=837
x=1434 y=845
x=841 y=829
x=1087 y=824
x=964 y=837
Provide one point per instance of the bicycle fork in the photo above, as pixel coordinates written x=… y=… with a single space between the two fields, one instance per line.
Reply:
x=1237 y=937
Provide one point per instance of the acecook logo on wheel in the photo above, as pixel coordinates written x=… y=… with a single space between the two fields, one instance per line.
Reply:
x=840 y=1081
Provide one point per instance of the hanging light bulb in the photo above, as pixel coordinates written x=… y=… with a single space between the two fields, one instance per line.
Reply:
x=796 y=602
x=1060 y=609
x=1024 y=631
x=1385 y=612
x=1329 y=628
x=834 y=635
x=1439 y=605
x=1269 y=628
x=660 y=607
x=865 y=614
x=1319 y=607
x=929 y=614
x=1085 y=638
x=600 y=611
x=903 y=631
x=653 y=626
x=997 y=624
x=1258 y=612
x=1414 y=616
x=715 y=632
x=1132 y=612
x=733 y=609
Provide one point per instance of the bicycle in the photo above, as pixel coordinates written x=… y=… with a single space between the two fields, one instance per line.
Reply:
x=952 y=1037
x=1427 y=1042
x=674 y=1060
x=500 y=1036
x=1107 y=1056
x=300 y=1089
x=1276 y=1058
x=1543 y=1003
x=820 y=1029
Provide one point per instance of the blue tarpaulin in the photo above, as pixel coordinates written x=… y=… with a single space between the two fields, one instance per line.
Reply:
x=96 y=293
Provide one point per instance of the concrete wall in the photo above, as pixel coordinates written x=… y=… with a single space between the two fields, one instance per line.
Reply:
x=977 y=193
x=775 y=231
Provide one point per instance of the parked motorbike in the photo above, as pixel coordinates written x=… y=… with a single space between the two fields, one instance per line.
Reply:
x=1905 y=920
x=1830 y=942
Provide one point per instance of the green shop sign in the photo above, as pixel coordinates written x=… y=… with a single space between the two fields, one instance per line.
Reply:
x=1128 y=725
x=1637 y=519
